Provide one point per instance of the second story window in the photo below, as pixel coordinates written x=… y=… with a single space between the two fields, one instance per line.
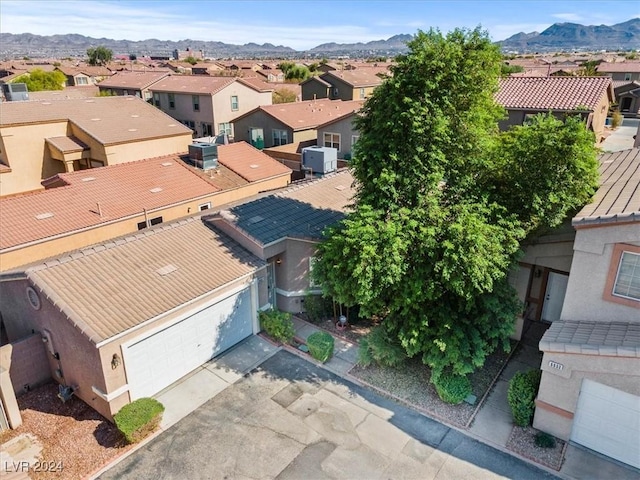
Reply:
x=234 y=102
x=280 y=137
x=332 y=140
x=224 y=128
x=195 y=100
x=362 y=94
x=156 y=100
x=627 y=77
x=627 y=282
x=172 y=101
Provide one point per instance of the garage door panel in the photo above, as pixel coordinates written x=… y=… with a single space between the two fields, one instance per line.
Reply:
x=607 y=420
x=156 y=361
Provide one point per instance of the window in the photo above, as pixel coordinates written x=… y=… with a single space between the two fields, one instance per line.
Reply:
x=362 y=94
x=234 y=102
x=280 y=137
x=156 y=100
x=627 y=282
x=224 y=128
x=204 y=206
x=82 y=81
x=153 y=221
x=207 y=130
x=172 y=101
x=195 y=100
x=332 y=140
x=627 y=77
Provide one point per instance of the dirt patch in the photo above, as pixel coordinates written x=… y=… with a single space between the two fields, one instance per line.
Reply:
x=522 y=442
x=352 y=333
x=76 y=440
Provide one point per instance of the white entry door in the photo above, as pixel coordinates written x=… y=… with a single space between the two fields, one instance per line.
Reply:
x=554 y=296
x=607 y=420
x=156 y=361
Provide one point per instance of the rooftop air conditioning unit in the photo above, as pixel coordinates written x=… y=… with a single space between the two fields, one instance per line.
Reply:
x=15 y=91
x=203 y=155
x=320 y=160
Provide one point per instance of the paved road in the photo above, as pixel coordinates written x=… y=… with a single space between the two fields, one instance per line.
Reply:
x=289 y=419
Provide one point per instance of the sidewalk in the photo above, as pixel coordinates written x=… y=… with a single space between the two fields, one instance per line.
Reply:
x=493 y=422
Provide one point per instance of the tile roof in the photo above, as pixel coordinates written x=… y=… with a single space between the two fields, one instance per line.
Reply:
x=619 y=67
x=619 y=339
x=552 y=93
x=132 y=80
x=618 y=198
x=86 y=91
x=257 y=84
x=307 y=114
x=338 y=119
x=89 y=70
x=249 y=162
x=67 y=144
x=361 y=77
x=195 y=84
x=121 y=190
x=302 y=211
x=107 y=119
x=127 y=288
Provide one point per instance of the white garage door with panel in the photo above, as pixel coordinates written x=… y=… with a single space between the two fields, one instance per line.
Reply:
x=157 y=360
x=607 y=420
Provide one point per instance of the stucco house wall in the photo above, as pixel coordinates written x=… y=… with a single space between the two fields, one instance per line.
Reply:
x=259 y=119
x=346 y=131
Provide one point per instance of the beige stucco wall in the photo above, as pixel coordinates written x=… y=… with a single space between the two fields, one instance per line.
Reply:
x=27 y=363
x=561 y=388
x=50 y=247
x=292 y=274
x=248 y=99
x=156 y=147
x=593 y=251
x=599 y=118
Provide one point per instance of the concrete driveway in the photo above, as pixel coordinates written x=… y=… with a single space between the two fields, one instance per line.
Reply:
x=289 y=419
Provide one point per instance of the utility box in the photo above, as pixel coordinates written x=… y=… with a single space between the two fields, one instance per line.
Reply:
x=203 y=155
x=15 y=92
x=320 y=159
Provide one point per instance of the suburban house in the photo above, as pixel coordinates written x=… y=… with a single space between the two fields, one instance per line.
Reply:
x=357 y=84
x=590 y=388
x=131 y=83
x=84 y=75
x=40 y=139
x=205 y=104
x=340 y=134
x=627 y=96
x=188 y=53
x=285 y=123
x=589 y=97
x=620 y=71
x=81 y=208
x=115 y=341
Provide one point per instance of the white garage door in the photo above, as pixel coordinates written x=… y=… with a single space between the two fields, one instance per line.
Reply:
x=607 y=420
x=156 y=361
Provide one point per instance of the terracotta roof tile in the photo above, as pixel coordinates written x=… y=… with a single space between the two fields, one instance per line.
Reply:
x=194 y=84
x=121 y=190
x=107 y=119
x=619 y=67
x=592 y=338
x=249 y=162
x=308 y=114
x=618 y=198
x=132 y=80
x=86 y=91
x=552 y=93
x=105 y=310
x=361 y=77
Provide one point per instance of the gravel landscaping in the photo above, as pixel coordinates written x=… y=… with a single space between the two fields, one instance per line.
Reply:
x=72 y=434
x=522 y=442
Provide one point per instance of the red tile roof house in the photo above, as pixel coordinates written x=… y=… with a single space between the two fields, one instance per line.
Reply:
x=39 y=139
x=207 y=104
x=281 y=124
x=589 y=97
x=343 y=84
x=165 y=314
x=131 y=83
x=84 y=75
x=88 y=206
x=590 y=388
x=621 y=71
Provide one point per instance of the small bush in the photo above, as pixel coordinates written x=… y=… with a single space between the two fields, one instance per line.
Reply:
x=278 y=325
x=139 y=418
x=616 y=119
x=544 y=440
x=320 y=346
x=521 y=395
x=451 y=388
x=317 y=307
x=378 y=347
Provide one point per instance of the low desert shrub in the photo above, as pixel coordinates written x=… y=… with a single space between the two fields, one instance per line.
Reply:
x=139 y=418
x=317 y=307
x=523 y=388
x=616 y=119
x=451 y=388
x=544 y=440
x=320 y=346
x=277 y=324
x=379 y=348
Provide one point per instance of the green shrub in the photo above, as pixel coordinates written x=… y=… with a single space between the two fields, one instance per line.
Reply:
x=544 y=440
x=320 y=346
x=317 y=307
x=451 y=388
x=278 y=325
x=139 y=418
x=521 y=395
x=378 y=347
x=616 y=119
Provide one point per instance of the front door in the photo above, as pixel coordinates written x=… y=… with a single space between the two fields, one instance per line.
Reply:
x=554 y=296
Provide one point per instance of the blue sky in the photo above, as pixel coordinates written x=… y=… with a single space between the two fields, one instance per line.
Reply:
x=297 y=23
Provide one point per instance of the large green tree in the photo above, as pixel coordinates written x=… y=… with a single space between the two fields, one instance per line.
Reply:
x=99 y=55
x=38 y=80
x=444 y=199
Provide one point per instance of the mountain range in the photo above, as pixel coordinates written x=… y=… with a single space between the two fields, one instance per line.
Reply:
x=558 y=37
